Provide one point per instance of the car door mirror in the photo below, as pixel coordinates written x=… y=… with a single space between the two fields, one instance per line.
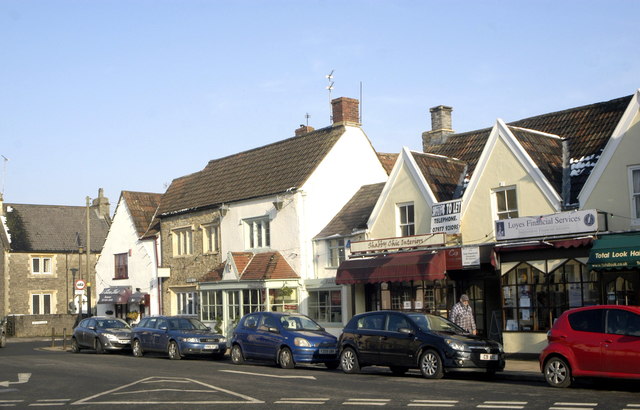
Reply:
x=406 y=331
x=163 y=328
x=91 y=328
x=273 y=330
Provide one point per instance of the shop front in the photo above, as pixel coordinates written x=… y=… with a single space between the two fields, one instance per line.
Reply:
x=616 y=257
x=114 y=301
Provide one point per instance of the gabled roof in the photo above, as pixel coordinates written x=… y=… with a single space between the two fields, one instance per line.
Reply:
x=142 y=207
x=53 y=228
x=262 y=171
x=388 y=161
x=355 y=214
x=254 y=266
x=445 y=176
x=586 y=128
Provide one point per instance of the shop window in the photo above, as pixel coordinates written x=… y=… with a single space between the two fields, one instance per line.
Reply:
x=533 y=300
x=506 y=203
x=284 y=299
x=620 y=291
x=406 y=219
x=233 y=304
x=187 y=303
x=251 y=301
x=401 y=296
x=325 y=306
x=211 y=305
x=336 y=252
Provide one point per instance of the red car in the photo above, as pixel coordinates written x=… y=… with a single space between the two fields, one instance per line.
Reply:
x=594 y=341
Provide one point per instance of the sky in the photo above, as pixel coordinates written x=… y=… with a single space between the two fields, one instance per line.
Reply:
x=130 y=94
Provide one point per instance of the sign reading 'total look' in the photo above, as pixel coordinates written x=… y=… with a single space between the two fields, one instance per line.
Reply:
x=445 y=217
x=554 y=224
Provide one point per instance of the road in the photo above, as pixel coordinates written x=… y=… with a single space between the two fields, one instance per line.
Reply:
x=33 y=376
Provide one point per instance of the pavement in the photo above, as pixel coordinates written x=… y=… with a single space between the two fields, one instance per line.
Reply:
x=517 y=368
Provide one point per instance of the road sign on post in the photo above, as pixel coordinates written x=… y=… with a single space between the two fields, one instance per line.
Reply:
x=81 y=284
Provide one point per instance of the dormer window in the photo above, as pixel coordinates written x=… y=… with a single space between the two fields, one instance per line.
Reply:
x=406 y=218
x=506 y=203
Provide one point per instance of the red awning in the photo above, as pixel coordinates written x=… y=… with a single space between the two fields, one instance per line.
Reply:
x=397 y=267
x=565 y=243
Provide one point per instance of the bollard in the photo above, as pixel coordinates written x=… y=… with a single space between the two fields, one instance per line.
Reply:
x=53 y=338
x=64 y=338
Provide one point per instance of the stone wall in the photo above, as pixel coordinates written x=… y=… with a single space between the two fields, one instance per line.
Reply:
x=40 y=325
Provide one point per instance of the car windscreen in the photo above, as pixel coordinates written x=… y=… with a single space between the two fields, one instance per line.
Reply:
x=111 y=324
x=186 y=324
x=296 y=322
x=435 y=324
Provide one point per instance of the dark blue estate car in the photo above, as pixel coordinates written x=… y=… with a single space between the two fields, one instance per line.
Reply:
x=285 y=338
x=402 y=341
x=177 y=336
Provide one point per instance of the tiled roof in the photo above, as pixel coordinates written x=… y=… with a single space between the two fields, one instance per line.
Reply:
x=387 y=161
x=143 y=207
x=587 y=129
x=54 y=228
x=258 y=266
x=355 y=214
x=258 y=172
x=445 y=176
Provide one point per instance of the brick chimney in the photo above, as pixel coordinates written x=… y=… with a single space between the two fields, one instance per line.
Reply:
x=346 y=111
x=440 y=126
x=304 y=129
x=102 y=205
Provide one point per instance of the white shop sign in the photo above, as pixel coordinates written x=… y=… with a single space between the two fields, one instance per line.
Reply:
x=545 y=225
x=416 y=241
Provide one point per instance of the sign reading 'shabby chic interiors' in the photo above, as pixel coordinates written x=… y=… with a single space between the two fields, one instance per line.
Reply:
x=416 y=241
x=544 y=225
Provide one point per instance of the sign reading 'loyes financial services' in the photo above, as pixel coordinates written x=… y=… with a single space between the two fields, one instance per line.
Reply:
x=560 y=223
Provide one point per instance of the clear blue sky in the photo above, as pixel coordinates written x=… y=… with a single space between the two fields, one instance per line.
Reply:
x=130 y=94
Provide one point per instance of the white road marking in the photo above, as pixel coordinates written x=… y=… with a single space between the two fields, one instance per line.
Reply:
x=302 y=400
x=50 y=402
x=243 y=399
x=270 y=375
x=22 y=378
x=561 y=405
x=502 y=405
x=570 y=408
x=367 y=402
x=9 y=403
x=432 y=403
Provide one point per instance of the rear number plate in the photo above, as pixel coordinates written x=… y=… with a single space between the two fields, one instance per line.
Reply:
x=327 y=351
x=211 y=347
x=485 y=356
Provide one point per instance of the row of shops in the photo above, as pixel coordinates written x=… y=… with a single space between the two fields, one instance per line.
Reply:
x=516 y=288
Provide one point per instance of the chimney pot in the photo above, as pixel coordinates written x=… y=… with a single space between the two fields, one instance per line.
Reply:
x=346 y=111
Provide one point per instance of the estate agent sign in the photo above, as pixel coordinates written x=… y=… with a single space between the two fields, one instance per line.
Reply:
x=445 y=217
x=545 y=225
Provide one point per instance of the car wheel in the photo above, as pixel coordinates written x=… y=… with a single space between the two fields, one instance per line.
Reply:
x=236 y=355
x=174 y=351
x=557 y=372
x=431 y=365
x=349 y=361
x=398 y=371
x=75 y=347
x=285 y=358
x=97 y=344
x=136 y=348
x=332 y=365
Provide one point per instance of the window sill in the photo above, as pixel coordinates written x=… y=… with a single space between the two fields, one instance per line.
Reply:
x=120 y=278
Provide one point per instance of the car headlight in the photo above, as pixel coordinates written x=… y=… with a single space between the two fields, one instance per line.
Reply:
x=190 y=339
x=223 y=340
x=301 y=342
x=500 y=348
x=110 y=337
x=456 y=345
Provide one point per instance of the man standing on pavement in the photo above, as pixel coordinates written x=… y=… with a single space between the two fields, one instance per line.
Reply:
x=462 y=315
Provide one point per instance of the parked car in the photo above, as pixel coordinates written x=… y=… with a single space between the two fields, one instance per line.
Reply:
x=594 y=341
x=3 y=332
x=101 y=334
x=403 y=341
x=177 y=336
x=284 y=338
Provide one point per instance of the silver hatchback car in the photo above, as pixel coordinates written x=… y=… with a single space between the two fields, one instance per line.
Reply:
x=101 y=334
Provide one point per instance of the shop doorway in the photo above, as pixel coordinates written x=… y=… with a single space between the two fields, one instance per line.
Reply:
x=620 y=288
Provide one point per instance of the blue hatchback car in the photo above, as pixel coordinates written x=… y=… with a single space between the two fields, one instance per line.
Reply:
x=177 y=336
x=285 y=338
